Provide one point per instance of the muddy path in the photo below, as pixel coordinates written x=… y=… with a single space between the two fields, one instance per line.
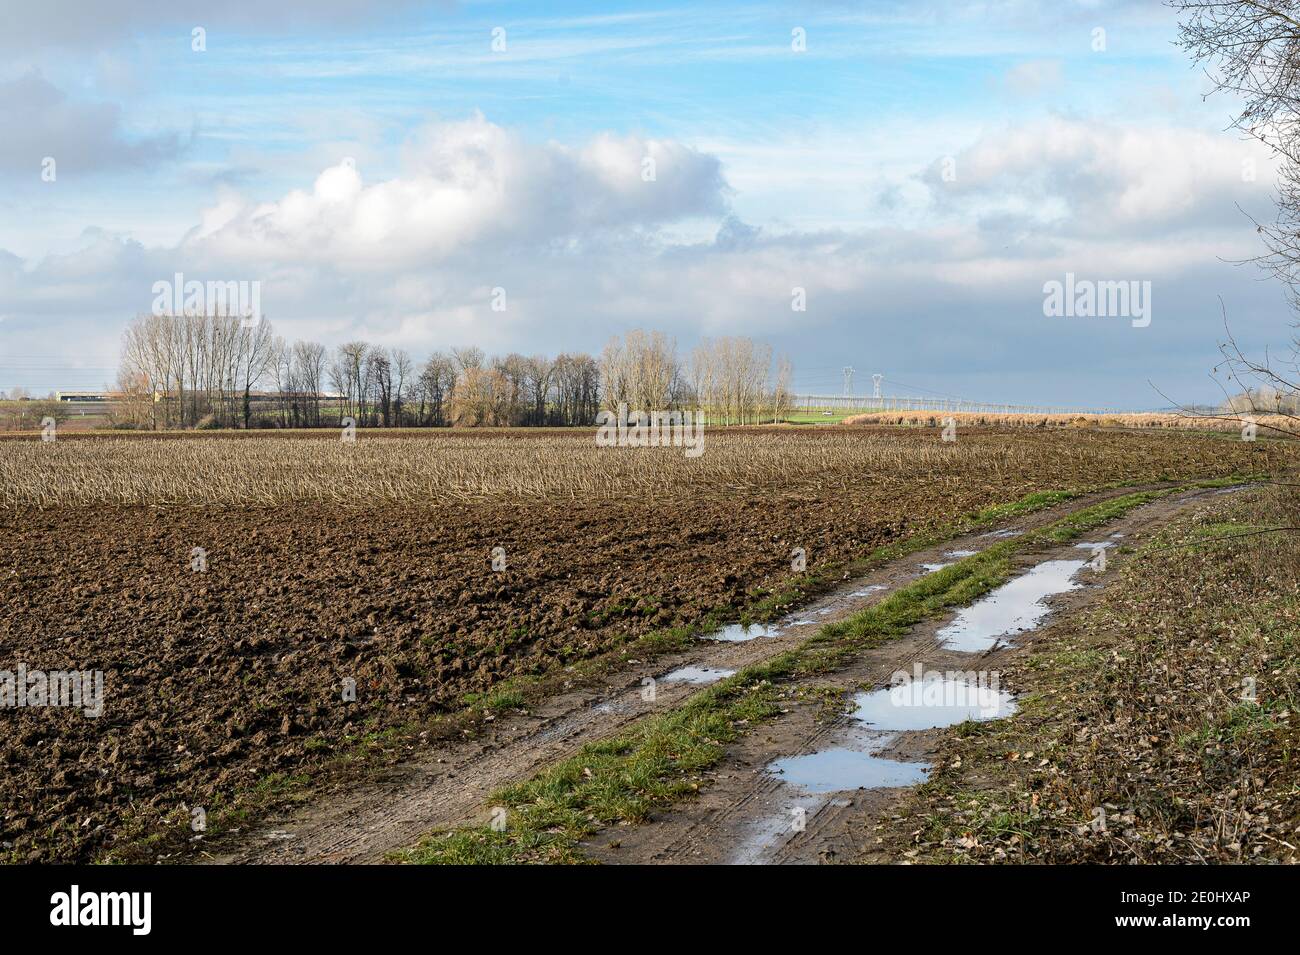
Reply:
x=810 y=786
x=451 y=782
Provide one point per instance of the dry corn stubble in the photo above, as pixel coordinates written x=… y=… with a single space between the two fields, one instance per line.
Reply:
x=453 y=468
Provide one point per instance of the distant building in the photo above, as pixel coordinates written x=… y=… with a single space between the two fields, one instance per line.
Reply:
x=87 y=397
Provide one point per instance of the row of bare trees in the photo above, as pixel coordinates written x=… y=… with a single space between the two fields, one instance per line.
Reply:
x=21 y=413
x=465 y=387
x=203 y=367
x=735 y=383
x=731 y=380
x=205 y=371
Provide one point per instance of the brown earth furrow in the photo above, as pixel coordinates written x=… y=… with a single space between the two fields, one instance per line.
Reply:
x=451 y=785
x=739 y=797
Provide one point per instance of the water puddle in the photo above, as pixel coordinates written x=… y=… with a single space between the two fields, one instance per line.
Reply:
x=928 y=700
x=1006 y=533
x=961 y=553
x=869 y=589
x=1015 y=607
x=931 y=702
x=739 y=632
x=841 y=769
x=769 y=831
x=1099 y=544
x=701 y=675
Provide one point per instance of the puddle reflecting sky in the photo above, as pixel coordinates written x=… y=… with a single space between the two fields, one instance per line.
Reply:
x=841 y=769
x=928 y=704
x=738 y=632
x=1015 y=607
x=869 y=589
x=766 y=833
x=697 y=675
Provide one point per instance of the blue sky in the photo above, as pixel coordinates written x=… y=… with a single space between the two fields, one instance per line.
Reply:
x=380 y=174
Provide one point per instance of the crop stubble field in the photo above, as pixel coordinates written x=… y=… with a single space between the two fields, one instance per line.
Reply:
x=372 y=561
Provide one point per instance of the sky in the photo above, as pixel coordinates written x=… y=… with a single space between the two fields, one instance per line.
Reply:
x=920 y=170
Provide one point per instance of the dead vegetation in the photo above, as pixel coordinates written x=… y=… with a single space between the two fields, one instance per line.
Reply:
x=1232 y=422
x=1160 y=727
x=421 y=468
x=229 y=678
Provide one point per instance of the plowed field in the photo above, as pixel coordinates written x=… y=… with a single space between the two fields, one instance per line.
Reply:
x=224 y=680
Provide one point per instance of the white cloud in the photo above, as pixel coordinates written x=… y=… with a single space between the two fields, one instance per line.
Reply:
x=585 y=248
x=39 y=120
x=1085 y=177
x=465 y=185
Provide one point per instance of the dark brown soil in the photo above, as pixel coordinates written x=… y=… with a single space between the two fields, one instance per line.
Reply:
x=218 y=681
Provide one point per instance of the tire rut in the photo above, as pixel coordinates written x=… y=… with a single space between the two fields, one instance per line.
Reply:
x=743 y=812
x=450 y=783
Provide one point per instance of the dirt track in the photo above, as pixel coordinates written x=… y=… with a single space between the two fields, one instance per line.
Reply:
x=224 y=687
x=744 y=812
x=452 y=783
x=216 y=680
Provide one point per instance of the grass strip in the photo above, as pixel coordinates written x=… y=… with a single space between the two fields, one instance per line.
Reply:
x=141 y=840
x=658 y=761
x=1137 y=707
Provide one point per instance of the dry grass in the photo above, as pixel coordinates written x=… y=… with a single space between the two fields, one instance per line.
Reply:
x=419 y=468
x=934 y=419
x=1138 y=709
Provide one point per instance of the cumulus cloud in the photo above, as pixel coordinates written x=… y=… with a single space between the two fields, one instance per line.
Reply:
x=468 y=185
x=585 y=247
x=39 y=120
x=1091 y=178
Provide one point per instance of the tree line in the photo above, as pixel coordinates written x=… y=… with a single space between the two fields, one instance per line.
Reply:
x=214 y=371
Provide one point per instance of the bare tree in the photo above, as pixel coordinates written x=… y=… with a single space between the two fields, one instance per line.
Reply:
x=642 y=370
x=467 y=358
x=309 y=360
x=781 y=389
x=1251 y=49
x=437 y=379
x=537 y=382
x=346 y=375
x=577 y=389
x=256 y=351
x=402 y=369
